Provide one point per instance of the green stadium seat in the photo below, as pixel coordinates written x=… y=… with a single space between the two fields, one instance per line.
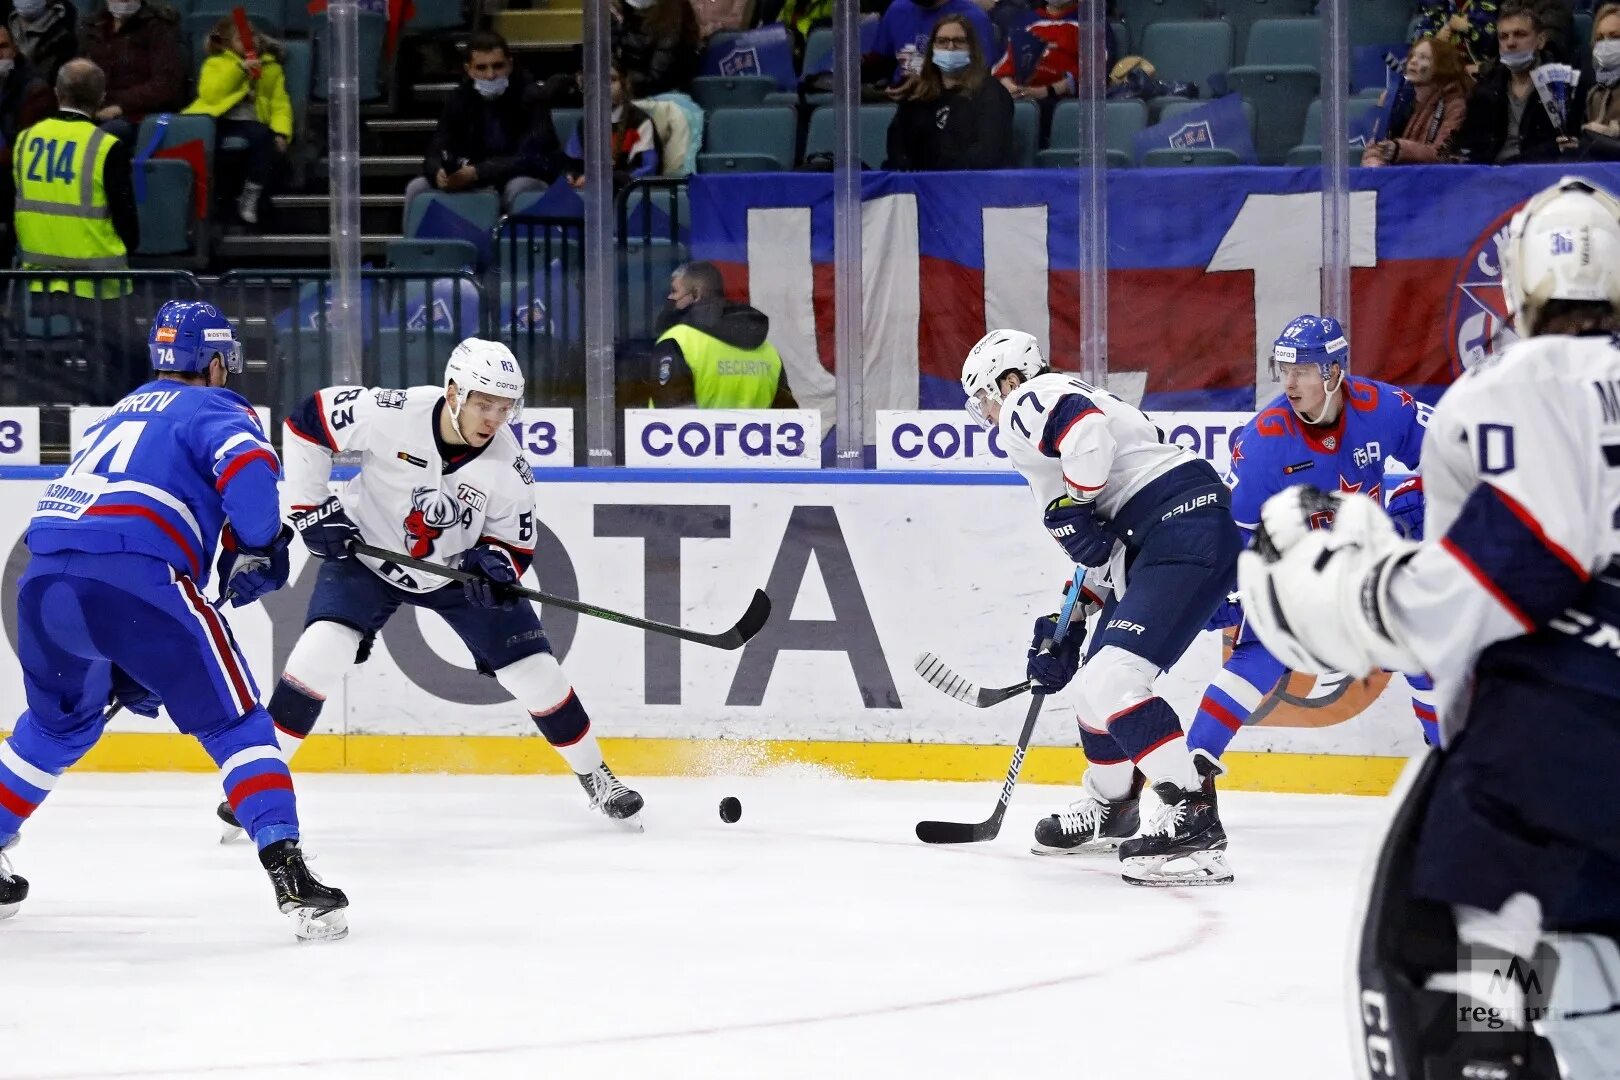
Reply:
x=874 y=134
x=431 y=255
x=1189 y=51
x=1166 y=158
x=730 y=92
x=1279 y=42
x=1141 y=15
x=747 y=136
x=167 y=211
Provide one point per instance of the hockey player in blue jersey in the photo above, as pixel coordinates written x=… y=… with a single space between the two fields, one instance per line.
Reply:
x=111 y=607
x=1327 y=428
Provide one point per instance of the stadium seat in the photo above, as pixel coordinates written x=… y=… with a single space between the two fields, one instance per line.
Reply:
x=1121 y=120
x=181 y=130
x=730 y=92
x=431 y=254
x=566 y=121
x=298 y=64
x=434 y=15
x=1308 y=155
x=373 y=30
x=194 y=28
x=1355 y=109
x=1026 y=133
x=1243 y=14
x=874 y=138
x=1142 y=15
x=1581 y=39
x=644 y=271
x=1166 y=158
x=1280 y=95
x=817 y=48
x=167 y=210
x=1379 y=22
x=766 y=50
x=1277 y=42
x=1189 y=51
x=756 y=133
x=459 y=215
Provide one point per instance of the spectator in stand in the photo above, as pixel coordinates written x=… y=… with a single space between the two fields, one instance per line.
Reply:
x=712 y=353
x=24 y=100
x=713 y=16
x=636 y=149
x=1600 y=134
x=1470 y=25
x=903 y=34
x=1042 y=59
x=1506 y=122
x=657 y=43
x=803 y=16
x=137 y=43
x=245 y=90
x=495 y=131
x=45 y=31
x=1431 y=117
x=953 y=115
x=1558 y=24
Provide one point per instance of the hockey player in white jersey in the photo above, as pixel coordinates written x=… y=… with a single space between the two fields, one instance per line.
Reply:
x=441 y=479
x=1488 y=946
x=1114 y=493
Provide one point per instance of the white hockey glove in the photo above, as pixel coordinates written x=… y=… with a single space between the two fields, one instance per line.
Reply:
x=1317 y=596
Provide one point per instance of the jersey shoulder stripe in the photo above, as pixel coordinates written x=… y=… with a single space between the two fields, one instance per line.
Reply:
x=1061 y=418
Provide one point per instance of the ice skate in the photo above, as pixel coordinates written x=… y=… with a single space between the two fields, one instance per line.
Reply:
x=609 y=795
x=1182 y=844
x=316 y=910
x=1092 y=826
x=230 y=829
x=13 y=887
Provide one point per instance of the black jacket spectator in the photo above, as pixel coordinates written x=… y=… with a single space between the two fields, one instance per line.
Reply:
x=658 y=46
x=959 y=120
x=24 y=98
x=1484 y=131
x=49 y=37
x=504 y=137
x=144 y=59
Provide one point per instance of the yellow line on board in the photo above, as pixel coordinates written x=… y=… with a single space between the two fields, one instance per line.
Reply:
x=504 y=754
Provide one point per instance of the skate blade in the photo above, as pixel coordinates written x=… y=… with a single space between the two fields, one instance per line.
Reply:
x=1091 y=848
x=1194 y=869
x=315 y=924
x=631 y=824
x=231 y=834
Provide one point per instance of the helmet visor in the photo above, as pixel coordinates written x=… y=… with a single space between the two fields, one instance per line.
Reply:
x=978 y=407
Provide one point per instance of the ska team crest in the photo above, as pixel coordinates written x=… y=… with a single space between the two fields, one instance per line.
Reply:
x=1476 y=311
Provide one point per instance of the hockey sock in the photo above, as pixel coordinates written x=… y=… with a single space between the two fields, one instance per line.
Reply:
x=1150 y=732
x=294 y=710
x=1232 y=698
x=257 y=783
x=1111 y=769
x=32 y=759
x=568 y=729
x=1423 y=707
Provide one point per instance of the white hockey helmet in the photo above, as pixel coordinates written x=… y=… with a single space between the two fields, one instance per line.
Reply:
x=1563 y=245
x=997 y=353
x=487 y=366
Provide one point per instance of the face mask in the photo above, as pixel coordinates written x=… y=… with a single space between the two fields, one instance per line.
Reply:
x=1607 y=56
x=5 y=68
x=1519 y=61
x=950 y=61
x=29 y=9
x=123 y=9
x=490 y=88
x=641 y=5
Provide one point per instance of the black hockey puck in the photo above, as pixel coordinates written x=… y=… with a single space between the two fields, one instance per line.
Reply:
x=730 y=809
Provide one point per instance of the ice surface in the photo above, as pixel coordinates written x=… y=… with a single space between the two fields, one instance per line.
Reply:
x=501 y=930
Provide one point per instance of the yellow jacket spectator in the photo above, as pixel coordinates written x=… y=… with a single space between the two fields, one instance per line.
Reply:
x=712 y=353
x=244 y=88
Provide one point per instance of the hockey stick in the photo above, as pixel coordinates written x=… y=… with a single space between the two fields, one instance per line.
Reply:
x=961 y=832
x=948 y=682
x=752 y=621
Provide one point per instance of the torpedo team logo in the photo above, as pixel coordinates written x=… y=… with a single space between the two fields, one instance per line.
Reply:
x=432 y=512
x=1476 y=316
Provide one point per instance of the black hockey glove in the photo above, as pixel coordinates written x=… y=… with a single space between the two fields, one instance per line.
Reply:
x=1052 y=666
x=246 y=573
x=326 y=529
x=131 y=695
x=494 y=570
x=1076 y=529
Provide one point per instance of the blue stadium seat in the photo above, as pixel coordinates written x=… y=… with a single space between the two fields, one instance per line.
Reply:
x=1189 y=51
x=167 y=210
x=765 y=50
x=1141 y=15
x=753 y=138
x=874 y=140
x=730 y=92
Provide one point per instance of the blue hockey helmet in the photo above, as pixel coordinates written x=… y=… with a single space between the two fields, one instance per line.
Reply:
x=188 y=334
x=1311 y=339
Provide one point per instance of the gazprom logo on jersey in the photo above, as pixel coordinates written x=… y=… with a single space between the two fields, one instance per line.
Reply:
x=936 y=439
x=722 y=438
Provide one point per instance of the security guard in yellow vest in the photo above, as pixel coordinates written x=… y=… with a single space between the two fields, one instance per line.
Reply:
x=75 y=211
x=75 y=208
x=712 y=352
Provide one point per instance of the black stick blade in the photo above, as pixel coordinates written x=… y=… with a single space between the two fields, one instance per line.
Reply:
x=754 y=619
x=956 y=832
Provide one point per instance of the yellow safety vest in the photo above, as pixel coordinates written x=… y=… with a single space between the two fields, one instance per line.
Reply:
x=63 y=221
x=725 y=376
